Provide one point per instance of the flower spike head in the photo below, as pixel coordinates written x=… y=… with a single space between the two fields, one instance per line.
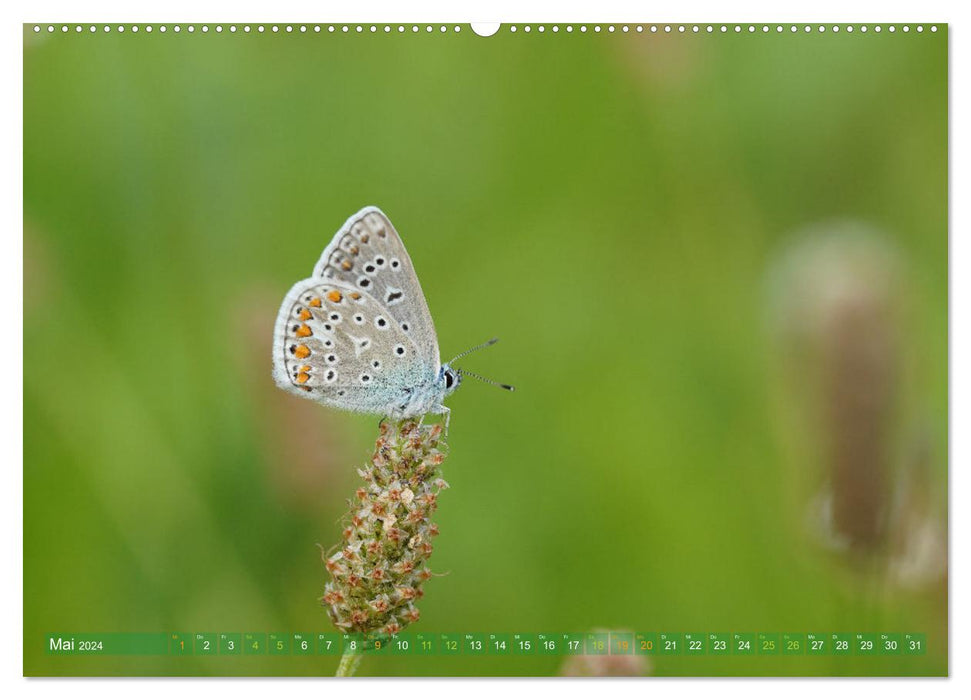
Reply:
x=380 y=568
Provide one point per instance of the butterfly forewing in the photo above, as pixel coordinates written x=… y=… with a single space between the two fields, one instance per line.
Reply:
x=368 y=255
x=336 y=343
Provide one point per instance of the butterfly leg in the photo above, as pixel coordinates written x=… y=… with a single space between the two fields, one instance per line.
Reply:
x=394 y=415
x=447 y=414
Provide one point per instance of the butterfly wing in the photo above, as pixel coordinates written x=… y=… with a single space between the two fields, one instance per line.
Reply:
x=367 y=253
x=337 y=344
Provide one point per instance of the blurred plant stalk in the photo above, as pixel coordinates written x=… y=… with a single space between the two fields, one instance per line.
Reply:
x=860 y=380
x=836 y=298
x=303 y=451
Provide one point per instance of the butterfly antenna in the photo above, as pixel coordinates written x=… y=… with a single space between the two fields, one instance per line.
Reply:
x=463 y=372
x=486 y=344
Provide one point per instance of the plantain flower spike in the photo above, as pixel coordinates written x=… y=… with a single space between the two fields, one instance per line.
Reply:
x=378 y=571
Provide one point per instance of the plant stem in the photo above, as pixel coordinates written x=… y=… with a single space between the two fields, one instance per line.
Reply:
x=348 y=665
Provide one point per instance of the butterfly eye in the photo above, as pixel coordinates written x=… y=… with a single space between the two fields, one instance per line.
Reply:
x=449 y=380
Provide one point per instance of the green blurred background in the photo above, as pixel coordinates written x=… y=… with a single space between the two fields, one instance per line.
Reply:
x=611 y=205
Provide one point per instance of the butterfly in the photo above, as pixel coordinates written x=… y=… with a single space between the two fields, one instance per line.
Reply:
x=357 y=334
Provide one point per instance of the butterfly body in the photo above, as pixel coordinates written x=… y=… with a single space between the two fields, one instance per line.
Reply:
x=357 y=335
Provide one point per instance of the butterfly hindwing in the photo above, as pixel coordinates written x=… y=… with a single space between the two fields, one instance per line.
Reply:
x=368 y=254
x=337 y=344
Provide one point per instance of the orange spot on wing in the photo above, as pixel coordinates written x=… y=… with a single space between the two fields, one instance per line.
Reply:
x=305 y=315
x=335 y=296
x=355 y=296
x=301 y=351
x=315 y=302
x=303 y=378
x=346 y=265
x=304 y=331
x=365 y=238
